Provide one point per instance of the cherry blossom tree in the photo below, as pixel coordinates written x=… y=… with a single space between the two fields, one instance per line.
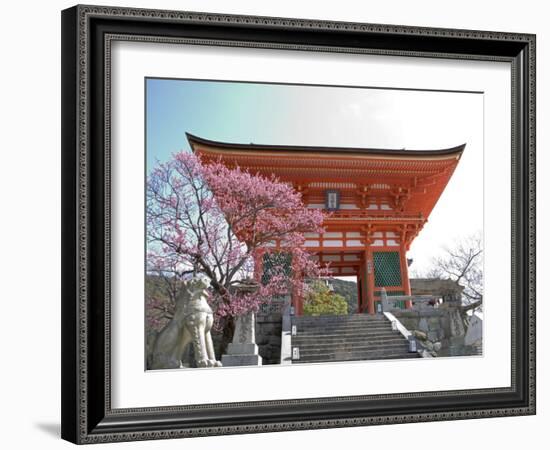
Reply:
x=216 y=220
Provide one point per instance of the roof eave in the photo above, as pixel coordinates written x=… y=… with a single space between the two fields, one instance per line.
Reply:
x=453 y=151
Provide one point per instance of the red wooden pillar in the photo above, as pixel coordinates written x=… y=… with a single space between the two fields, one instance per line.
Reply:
x=297 y=302
x=297 y=297
x=259 y=264
x=359 y=294
x=363 y=301
x=405 y=275
x=369 y=272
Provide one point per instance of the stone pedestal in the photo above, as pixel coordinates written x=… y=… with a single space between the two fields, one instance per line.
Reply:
x=243 y=351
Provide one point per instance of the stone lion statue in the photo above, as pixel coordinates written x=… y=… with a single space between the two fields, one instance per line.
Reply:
x=192 y=322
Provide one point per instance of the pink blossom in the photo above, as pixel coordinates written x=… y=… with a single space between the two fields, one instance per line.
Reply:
x=215 y=220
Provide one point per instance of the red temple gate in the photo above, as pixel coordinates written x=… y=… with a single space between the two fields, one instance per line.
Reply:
x=378 y=199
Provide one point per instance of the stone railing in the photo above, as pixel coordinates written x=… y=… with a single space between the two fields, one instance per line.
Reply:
x=408 y=335
x=390 y=303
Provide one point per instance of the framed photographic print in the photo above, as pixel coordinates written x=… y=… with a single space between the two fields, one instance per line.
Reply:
x=283 y=224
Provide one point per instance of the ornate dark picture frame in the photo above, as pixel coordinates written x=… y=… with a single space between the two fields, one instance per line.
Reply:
x=87 y=33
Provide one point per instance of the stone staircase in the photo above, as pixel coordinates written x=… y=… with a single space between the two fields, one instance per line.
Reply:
x=355 y=337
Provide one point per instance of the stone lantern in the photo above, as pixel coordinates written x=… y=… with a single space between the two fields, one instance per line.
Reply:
x=243 y=351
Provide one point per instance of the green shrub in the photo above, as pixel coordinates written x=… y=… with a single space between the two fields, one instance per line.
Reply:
x=321 y=301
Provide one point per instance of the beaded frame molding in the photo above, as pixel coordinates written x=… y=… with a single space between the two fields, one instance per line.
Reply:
x=87 y=34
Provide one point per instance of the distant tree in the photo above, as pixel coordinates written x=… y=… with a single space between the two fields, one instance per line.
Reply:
x=320 y=300
x=348 y=290
x=463 y=263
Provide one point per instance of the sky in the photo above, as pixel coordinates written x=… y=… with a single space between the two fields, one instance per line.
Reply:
x=278 y=114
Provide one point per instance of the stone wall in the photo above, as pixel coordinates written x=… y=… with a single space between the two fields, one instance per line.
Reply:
x=442 y=329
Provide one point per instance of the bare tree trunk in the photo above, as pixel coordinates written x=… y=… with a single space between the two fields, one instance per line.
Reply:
x=227 y=334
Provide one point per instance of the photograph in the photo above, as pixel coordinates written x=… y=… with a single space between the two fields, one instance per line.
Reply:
x=311 y=224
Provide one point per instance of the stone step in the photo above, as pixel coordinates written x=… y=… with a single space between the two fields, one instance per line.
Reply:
x=357 y=358
x=338 y=340
x=385 y=323
x=345 y=337
x=322 y=350
x=341 y=343
x=351 y=318
x=363 y=353
x=322 y=323
x=340 y=330
x=350 y=328
x=341 y=316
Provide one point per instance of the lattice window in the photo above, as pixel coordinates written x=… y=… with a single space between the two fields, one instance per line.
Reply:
x=276 y=263
x=387 y=269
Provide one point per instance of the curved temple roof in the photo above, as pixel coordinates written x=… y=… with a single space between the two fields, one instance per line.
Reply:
x=412 y=179
x=195 y=141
